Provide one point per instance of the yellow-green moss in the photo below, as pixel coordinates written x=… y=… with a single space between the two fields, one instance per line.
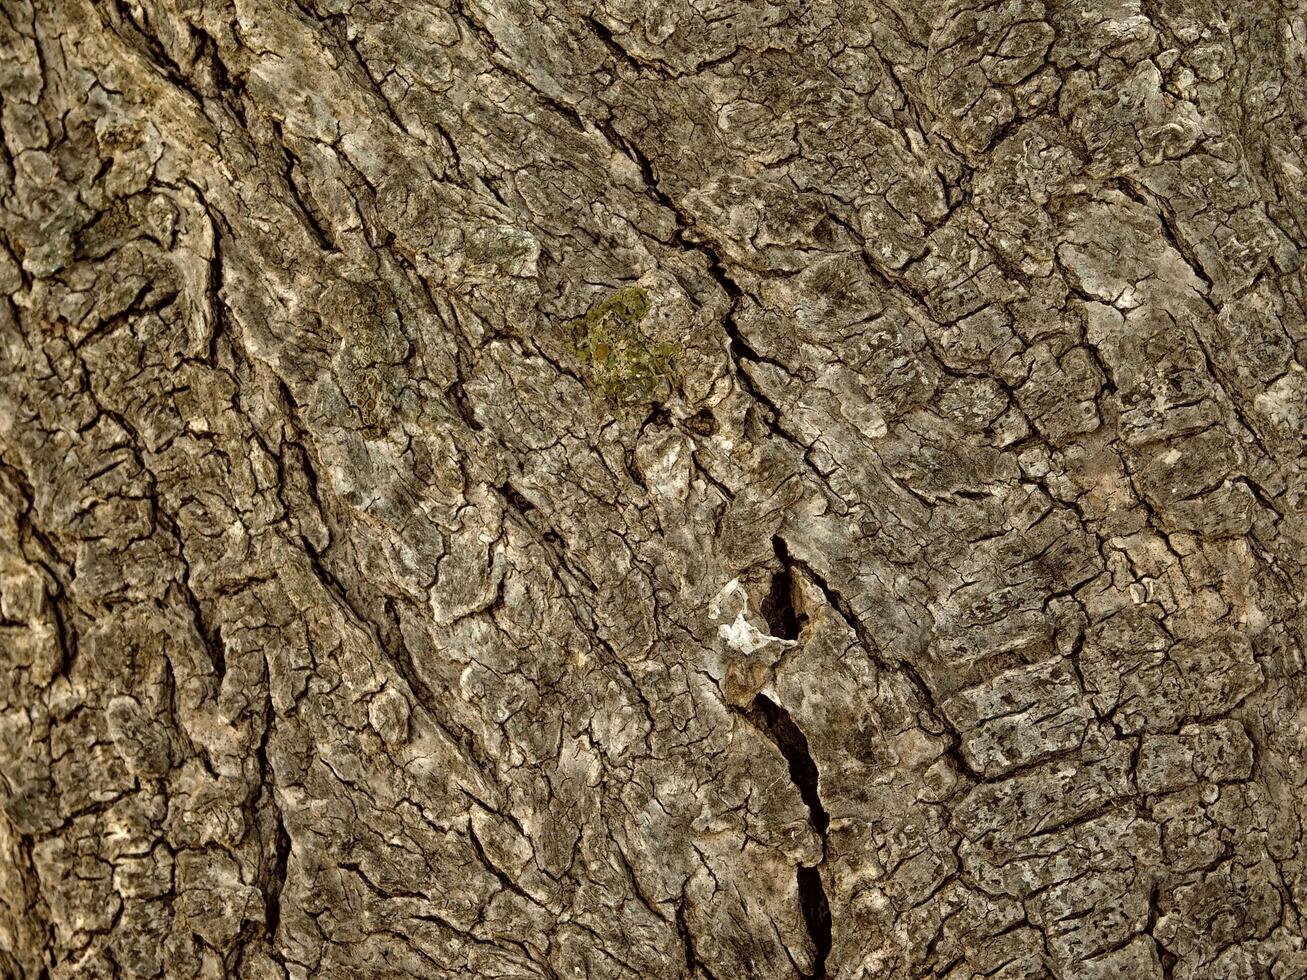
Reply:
x=626 y=365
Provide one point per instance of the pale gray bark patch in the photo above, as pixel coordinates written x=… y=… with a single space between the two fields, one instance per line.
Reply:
x=927 y=603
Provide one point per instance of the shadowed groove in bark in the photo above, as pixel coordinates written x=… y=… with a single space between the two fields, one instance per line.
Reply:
x=783 y=619
x=277 y=879
x=841 y=605
x=692 y=962
x=769 y=717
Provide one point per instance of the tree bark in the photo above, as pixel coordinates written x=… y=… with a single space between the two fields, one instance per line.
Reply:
x=747 y=489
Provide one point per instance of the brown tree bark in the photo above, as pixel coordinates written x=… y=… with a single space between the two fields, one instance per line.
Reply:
x=666 y=490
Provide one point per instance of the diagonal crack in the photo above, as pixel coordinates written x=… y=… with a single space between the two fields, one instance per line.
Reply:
x=905 y=668
x=774 y=721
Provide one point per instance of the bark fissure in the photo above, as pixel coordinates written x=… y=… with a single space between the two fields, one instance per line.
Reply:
x=774 y=721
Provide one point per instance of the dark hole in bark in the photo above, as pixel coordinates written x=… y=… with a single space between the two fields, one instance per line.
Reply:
x=783 y=620
x=633 y=471
x=659 y=418
x=702 y=423
x=520 y=503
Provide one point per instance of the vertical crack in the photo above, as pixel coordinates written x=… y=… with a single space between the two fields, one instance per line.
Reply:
x=784 y=620
x=772 y=719
x=275 y=881
x=1164 y=955
x=693 y=964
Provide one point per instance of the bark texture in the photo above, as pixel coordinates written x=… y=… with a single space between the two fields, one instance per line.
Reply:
x=918 y=593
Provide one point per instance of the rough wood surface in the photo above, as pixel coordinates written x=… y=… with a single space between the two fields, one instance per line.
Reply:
x=914 y=590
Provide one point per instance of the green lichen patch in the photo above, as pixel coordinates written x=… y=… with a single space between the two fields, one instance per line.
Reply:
x=626 y=365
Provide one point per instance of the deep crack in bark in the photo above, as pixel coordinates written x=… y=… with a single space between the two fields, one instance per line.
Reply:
x=774 y=721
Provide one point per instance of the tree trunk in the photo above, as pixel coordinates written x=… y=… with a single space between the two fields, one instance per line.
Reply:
x=659 y=490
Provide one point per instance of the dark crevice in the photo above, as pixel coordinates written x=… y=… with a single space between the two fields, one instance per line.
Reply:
x=816 y=914
x=215 y=284
x=939 y=724
x=463 y=406
x=317 y=225
x=230 y=90
x=276 y=879
x=210 y=634
x=118 y=18
x=273 y=912
x=66 y=636
x=1165 y=957
x=637 y=65
x=633 y=470
x=508 y=883
x=783 y=619
x=388 y=637
x=773 y=720
x=659 y=418
x=703 y=423
x=355 y=868
x=692 y=962
x=740 y=348
x=1171 y=232
x=553 y=541
x=514 y=497
x=505 y=61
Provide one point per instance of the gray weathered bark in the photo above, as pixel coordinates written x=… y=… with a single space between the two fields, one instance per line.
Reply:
x=916 y=589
